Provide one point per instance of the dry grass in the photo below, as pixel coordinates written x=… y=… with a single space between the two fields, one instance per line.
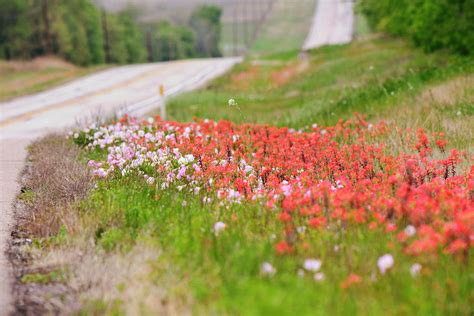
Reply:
x=107 y=280
x=36 y=64
x=55 y=181
x=446 y=107
x=18 y=78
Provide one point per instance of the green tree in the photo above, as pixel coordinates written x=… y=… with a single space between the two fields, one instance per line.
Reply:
x=205 y=21
x=430 y=24
x=70 y=35
x=95 y=37
x=170 y=42
x=77 y=30
x=133 y=38
x=15 y=29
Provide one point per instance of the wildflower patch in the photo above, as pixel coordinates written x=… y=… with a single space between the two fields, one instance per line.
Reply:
x=340 y=175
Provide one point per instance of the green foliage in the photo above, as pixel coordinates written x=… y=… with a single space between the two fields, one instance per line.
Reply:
x=14 y=28
x=127 y=43
x=222 y=273
x=167 y=41
x=44 y=278
x=431 y=24
x=73 y=29
x=27 y=196
x=371 y=77
x=205 y=22
x=172 y=42
x=79 y=32
x=71 y=35
x=94 y=33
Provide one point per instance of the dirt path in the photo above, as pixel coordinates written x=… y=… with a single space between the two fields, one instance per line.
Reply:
x=128 y=89
x=332 y=24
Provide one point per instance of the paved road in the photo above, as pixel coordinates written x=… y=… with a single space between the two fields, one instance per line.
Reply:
x=332 y=24
x=133 y=89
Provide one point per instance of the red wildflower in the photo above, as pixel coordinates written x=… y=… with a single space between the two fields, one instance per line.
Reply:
x=283 y=248
x=350 y=280
x=317 y=222
x=285 y=217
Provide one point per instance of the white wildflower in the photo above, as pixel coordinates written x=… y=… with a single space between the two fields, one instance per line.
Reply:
x=385 y=262
x=301 y=229
x=415 y=269
x=318 y=277
x=300 y=273
x=410 y=230
x=189 y=158
x=312 y=265
x=219 y=227
x=267 y=269
x=232 y=102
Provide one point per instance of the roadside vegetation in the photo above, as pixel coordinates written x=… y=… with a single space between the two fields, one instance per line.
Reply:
x=285 y=27
x=200 y=217
x=83 y=34
x=18 y=78
x=430 y=24
x=380 y=77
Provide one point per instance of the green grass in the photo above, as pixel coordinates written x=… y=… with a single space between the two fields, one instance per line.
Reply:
x=222 y=273
x=196 y=272
x=286 y=27
x=366 y=77
x=361 y=25
x=379 y=77
x=231 y=42
x=27 y=196
x=43 y=278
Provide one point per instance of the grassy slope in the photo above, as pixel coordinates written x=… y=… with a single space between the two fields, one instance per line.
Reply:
x=371 y=76
x=273 y=35
x=172 y=262
x=286 y=27
x=19 y=78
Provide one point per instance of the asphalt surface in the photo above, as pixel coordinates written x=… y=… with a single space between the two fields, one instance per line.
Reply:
x=333 y=24
x=133 y=89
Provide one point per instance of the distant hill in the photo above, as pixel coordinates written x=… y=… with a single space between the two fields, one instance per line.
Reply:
x=175 y=11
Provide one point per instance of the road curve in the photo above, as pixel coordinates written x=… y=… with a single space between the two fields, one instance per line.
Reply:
x=333 y=23
x=130 y=89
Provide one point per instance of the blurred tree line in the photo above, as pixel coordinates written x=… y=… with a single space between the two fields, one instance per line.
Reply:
x=430 y=24
x=83 y=34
